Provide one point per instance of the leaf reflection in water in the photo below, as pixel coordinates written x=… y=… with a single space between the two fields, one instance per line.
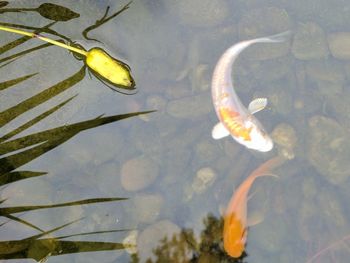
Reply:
x=14 y=153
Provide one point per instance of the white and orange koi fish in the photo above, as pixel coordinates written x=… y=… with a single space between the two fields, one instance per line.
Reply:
x=234 y=118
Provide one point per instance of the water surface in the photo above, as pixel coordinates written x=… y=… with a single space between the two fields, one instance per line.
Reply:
x=165 y=164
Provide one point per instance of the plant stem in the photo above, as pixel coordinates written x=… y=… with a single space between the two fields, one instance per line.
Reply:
x=51 y=41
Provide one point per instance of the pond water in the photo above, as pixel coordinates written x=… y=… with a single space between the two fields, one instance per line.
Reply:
x=80 y=186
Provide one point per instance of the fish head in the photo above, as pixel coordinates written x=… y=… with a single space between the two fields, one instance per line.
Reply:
x=235 y=234
x=235 y=250
x=259 y=139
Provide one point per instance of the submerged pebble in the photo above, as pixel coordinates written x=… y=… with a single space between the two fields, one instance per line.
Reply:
x=339 y=45
x=271 y=236
x=327 y=89
x=201 y=13
x=280 y=100
x=86 y=151
x=207 y=151
x=146 y=140
x=147 y=207
x=310 y=42
x=326 y=226
x=138 y=173
x=326 y=70
x=156 y=102
x=328 y=146
x=190 y=107
x=310 y=101
x=204 y=178
x=39 y=190
x=338 y=106
x=269 y=70
x=284 y=136
x=264 y=22
x=200 y=79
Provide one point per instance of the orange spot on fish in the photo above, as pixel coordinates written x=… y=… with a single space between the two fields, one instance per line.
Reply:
x=232 y=122
x=224 y=95
x=235 y=218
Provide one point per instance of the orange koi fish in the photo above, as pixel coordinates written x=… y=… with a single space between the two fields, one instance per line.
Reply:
x=235 y=217
x=235 y=119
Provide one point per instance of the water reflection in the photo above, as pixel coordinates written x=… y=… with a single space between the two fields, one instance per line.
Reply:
x=103 y=20
x=112 y=72
x=17 y=150
x=172 y=47
x=185 y=247
x=40 y=248
x=46 y=10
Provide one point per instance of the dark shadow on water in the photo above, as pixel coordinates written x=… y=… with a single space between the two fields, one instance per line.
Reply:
x=45 y=141
x=40 y=247
x=184 y=247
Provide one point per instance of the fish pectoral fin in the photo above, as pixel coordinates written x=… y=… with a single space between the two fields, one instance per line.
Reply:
x=219 y=131
x=255 y=218
x=257 y=105
x=244 y=235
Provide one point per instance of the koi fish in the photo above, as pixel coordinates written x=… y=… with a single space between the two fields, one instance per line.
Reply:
x=235 y=217
x=235 y=119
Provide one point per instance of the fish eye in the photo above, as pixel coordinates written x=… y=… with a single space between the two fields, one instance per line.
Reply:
x=263 y=132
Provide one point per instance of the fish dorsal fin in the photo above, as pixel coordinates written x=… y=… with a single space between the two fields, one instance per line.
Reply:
x=219 y=131
x=257 y=104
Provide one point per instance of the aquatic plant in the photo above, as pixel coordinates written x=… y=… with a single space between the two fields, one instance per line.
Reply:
x=14 y=153
x=40 y=248
x=111 y=71
x=103 y=20
x=47 y=10
x=105 y=67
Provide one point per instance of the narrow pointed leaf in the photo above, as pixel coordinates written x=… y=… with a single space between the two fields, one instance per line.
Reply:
x=12 y=82
x=13 y=112
x=94 y=233
x=24 y=222
x=17 y=176
x=35 y=120
x=25 y=52
x=18 y=209
x=67 y=131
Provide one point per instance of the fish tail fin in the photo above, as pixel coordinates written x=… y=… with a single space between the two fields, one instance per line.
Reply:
x=252 y=179
x=269 y=174
x=266 y=168
x=269 y=165
x=281 y=37
x=278 y=38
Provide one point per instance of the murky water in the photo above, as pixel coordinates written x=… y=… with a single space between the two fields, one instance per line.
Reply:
x=83 y=182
